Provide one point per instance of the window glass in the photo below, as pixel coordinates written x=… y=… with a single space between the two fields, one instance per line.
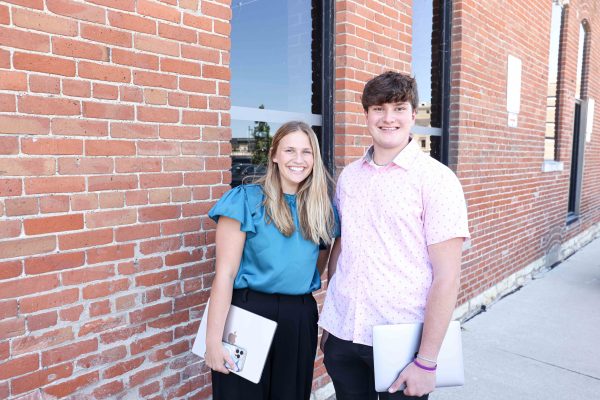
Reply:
x=551 y=99
x=273 y=77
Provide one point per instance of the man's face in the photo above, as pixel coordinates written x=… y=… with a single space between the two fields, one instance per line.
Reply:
x=389 y=124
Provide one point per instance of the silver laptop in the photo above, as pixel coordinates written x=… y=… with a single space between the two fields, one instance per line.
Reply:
x=394 y=347
x=247 y=336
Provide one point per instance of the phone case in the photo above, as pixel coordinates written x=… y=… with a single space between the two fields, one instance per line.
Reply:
x=238 y=354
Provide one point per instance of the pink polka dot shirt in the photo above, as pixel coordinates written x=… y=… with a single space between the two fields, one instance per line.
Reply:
x=389 y=215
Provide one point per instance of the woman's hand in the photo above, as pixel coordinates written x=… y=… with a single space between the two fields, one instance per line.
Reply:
x=218 y=358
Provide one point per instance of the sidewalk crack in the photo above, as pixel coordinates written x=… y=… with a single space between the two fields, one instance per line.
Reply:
x=551 y=364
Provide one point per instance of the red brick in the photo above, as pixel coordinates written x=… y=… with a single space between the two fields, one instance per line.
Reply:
x=100 y=308
x=21 y=206
x=149 y=389
x=42 y=321
x=25 y=247
x=10 y=187
x=13 y=80
x=8 y=102
x=171 y=351
x=216 y=10
x=107 y=92
x=200 y=53
x=76 y=10
x=183 y=257
x=133 y=131
x=7 y=309
x=110 y=218
x=148 y=214
x=144 y=78
x=55 y=184
x=78 y=127
x=122 y=334
x=10 y=269
x=108 y=390
x=76 y=88
x=138 y=164
x=87 y=274
x=133 y=94
x=79 y=49
x=51 y=300
x=12 y=327
x=71 y=314
x=177 y=33
x=157 y=10
x=108 y=111
x=153 y=44
x=151 y=312
x=31 y=343
x=44 y=22
x=129 y=233
x=53 y=262
x=53 y=146
x=24 y=125
x=85 y=239
x=198 y=85
x=164 y=148
x=69 y=387
x=111 y=355
x=131 y=22
x=112 y=182
x=47 y=64
x=145 y=344
x=122 y=368
x=180 y=67
x=27 y=166
x=126 y=5
x=216 y=72
x=140 y=60
x=109 y=148
x=178 y=99
x=61 y=223
x=110 y=253
x=54 y=204
x=69 y=352
x=183 y=164
x=214 y=41
x=20 y=39
x=88 y=166
x=157 y=114
x=143 y=376
x=200 y=118
x=104 y=72
x=19 y=366
x=101 y=325
x=4 y=15
x=48 y=106
x=44 y=84
x=155 y=96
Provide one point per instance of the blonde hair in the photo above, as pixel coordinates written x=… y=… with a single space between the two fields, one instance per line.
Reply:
x=315 y=212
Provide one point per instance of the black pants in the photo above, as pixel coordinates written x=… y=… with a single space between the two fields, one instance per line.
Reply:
x=350 y=366
x=289 y=367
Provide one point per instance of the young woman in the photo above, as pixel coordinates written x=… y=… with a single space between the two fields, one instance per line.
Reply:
x=269 y=237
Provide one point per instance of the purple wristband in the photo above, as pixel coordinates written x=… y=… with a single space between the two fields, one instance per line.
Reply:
x=424 y=367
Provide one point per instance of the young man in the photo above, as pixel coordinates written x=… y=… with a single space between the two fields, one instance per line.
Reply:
x=404 y=220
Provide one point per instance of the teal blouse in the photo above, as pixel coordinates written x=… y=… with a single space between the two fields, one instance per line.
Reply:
x=271 y=262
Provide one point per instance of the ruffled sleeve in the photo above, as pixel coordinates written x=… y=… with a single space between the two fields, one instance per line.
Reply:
x=234 y=204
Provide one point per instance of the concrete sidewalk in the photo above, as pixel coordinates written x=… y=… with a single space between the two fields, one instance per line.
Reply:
x=541 y=342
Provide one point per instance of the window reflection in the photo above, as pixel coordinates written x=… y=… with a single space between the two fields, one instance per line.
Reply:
x=273 y=43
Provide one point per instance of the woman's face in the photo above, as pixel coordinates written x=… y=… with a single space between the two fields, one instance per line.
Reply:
x=295 y=159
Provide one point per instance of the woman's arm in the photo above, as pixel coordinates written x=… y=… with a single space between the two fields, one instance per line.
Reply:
x=230 y=244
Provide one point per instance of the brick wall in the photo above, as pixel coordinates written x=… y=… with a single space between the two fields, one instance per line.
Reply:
x=113 y=146
x=517 y=212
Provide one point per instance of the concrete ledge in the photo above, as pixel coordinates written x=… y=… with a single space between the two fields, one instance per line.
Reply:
x=520 y=278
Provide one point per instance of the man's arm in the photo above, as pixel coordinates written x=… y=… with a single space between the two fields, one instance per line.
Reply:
x=445 y=258
x=331 y=266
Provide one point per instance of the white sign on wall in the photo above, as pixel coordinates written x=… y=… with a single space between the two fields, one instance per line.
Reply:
x=513 y=90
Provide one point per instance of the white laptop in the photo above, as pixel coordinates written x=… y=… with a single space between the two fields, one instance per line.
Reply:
x=394 y=347
x=250 y=332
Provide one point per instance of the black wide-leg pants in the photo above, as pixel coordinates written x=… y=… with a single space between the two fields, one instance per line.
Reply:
x=289 y=367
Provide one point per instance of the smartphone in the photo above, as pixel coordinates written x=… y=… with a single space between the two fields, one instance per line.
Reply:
x=238 y=355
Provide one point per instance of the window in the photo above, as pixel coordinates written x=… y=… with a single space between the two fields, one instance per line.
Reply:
x=430 y=66
x=550 y=148
x=577 y=153
x=277 y=70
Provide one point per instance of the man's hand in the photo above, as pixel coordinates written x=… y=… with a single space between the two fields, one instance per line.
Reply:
x=417 y=381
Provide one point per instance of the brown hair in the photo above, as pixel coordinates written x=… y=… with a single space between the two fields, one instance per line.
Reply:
x=390 y=87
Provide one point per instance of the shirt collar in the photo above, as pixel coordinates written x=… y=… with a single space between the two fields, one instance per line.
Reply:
x=404 y=159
